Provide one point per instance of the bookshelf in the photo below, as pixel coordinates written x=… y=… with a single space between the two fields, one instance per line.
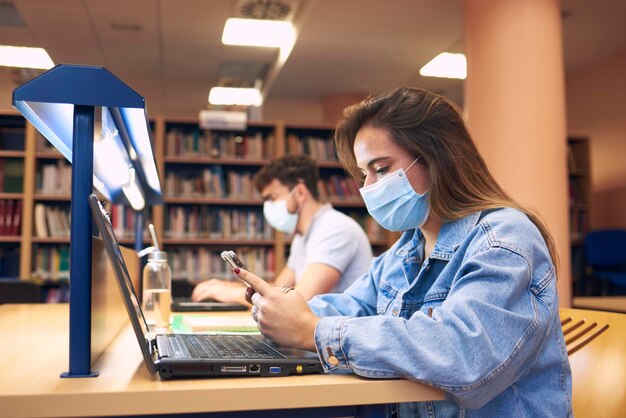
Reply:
x=12 y=159
x=335 y=186
x=51 y=198
x=36 y=204
x=579 y=202
x=210 y=203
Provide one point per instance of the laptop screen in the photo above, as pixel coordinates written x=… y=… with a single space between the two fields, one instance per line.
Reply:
x=131 y=301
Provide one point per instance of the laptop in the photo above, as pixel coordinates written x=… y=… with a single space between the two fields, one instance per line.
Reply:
x=181 y=301
x=185 y=304
x=198 y=355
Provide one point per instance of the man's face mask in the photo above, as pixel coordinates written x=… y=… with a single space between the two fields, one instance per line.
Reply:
x=278 y=216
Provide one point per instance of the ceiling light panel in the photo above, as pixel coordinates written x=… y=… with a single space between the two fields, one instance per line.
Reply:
x=255 y=32
x=24 y=57
x=235 y=96
x=446 y=65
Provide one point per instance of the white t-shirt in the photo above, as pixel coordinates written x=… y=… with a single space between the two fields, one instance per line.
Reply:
x=333 y=239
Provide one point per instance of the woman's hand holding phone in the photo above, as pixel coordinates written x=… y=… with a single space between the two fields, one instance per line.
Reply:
x=282 y=313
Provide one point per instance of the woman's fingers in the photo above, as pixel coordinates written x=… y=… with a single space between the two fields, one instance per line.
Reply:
x=249 y=293
x=257 y=283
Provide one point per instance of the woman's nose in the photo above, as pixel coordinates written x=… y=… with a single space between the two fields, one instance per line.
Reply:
x=368 y=181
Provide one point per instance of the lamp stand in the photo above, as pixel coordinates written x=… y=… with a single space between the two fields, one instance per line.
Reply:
x=80 y=244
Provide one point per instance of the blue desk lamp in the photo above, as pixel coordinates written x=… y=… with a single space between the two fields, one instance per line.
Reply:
x=101 y=127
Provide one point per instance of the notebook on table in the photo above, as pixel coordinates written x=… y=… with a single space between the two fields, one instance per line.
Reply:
x=185 y=304
x=225 y=324
x=198 y=355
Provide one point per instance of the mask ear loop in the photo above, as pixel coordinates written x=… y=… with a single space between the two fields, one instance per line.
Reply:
x=291 y=194
x=412 y=164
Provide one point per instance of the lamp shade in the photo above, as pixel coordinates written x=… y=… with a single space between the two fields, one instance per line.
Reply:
x=124 y=169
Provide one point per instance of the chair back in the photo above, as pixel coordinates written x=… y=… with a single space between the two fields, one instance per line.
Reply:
x=606 y=249
x=596 y=346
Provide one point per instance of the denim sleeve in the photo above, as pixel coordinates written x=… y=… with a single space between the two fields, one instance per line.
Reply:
x=479 y=340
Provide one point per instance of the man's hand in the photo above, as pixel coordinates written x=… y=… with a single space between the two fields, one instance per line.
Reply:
x=220 y=290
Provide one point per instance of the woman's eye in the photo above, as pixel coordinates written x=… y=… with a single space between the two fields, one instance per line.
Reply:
x=381 y=171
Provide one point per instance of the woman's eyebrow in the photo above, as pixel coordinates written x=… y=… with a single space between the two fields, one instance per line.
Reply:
x=373 y=161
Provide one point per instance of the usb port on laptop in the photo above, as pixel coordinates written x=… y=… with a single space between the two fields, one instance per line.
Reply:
x=275 y=369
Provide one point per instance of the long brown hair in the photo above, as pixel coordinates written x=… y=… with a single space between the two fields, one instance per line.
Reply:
x=431 y=127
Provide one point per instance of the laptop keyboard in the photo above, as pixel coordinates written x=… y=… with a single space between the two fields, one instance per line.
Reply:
x=220 y=346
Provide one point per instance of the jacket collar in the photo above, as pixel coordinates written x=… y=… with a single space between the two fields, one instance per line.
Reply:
x=450 y=237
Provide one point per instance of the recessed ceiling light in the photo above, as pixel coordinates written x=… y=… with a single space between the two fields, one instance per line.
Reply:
x=24 y=57
x=446 y=65
x=235 y=96
x=257 y=32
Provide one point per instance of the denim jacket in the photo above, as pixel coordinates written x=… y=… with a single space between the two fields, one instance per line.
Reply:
x=479 y=319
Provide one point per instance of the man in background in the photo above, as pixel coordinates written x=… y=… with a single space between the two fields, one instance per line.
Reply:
x=329 y=250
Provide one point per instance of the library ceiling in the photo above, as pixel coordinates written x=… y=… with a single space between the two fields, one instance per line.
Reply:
x=170 y=51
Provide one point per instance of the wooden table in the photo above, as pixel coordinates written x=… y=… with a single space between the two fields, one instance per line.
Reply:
x=603 y=303
x=35 y=353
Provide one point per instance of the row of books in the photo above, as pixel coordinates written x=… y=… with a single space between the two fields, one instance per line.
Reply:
x=320 y=149
x=201 y=221
x=211 y=182
x=123 y=220
x=374 y=231
x=579 y=223
x=207 y=222
x=10 y=217
x=51 y=263
x=11 y=175
x=214 y=182
x=58 y=294
x=340 y=188
x=218 y=145
x=55 y=179
x=198 y=264
x=12 y=138
x=51 y=221
x=576 y=195
x=55 y=221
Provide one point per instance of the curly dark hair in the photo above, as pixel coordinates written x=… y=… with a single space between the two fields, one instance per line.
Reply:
x=290 y=170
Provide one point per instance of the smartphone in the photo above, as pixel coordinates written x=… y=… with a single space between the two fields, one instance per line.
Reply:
x=233 y=261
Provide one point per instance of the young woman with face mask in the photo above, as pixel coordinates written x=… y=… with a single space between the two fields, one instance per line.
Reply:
x=465 y=300
x=329 y=250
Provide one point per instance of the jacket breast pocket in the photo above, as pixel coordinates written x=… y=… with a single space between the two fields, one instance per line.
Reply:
x=386 y=295
x=433 y=301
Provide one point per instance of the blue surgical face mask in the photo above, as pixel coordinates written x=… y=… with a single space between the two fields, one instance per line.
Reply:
x=394 y=204
x=278 y=216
